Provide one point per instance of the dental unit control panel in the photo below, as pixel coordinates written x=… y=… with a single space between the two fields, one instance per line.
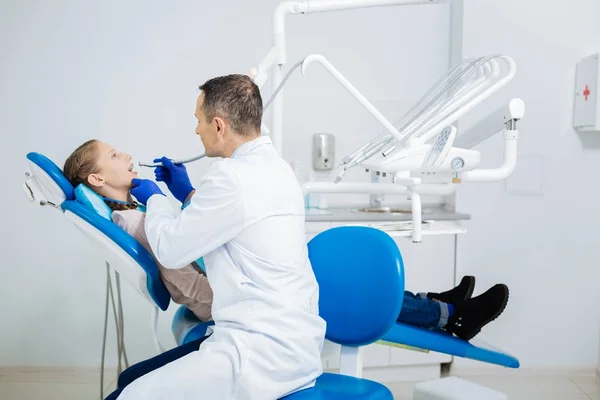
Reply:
x=432 y=163
x=440 y=148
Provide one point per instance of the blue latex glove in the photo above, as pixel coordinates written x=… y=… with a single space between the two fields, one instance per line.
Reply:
x=176 y=178
x=143 y=189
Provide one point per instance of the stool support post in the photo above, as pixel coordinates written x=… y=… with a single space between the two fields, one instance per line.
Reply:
x=351 y=361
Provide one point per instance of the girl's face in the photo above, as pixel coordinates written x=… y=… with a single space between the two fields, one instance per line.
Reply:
x=115 y=169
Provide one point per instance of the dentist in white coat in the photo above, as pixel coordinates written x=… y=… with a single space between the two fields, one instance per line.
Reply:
x=246 y=218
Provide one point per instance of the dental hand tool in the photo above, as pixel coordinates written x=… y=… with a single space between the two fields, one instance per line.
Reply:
x=175 y=177
x=184 y=161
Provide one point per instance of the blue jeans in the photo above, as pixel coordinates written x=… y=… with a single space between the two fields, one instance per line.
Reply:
x=420 y=311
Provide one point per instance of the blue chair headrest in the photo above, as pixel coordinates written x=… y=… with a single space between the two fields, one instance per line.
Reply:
x=89 y=198
x=81 y=193
x=361 y=283
x=54 y=172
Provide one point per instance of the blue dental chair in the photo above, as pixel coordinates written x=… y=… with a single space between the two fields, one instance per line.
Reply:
x=46 y=184
x=359 y=270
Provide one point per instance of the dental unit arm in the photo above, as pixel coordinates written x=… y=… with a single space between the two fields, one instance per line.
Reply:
x=505 y=117
x=277 y=56
x=434 y=168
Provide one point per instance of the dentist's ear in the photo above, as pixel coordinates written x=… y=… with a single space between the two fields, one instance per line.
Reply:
x=219 y=126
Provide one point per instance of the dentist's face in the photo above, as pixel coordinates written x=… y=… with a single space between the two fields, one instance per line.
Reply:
x=211 y=131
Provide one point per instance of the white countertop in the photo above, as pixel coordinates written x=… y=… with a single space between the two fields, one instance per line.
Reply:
x=352 y=214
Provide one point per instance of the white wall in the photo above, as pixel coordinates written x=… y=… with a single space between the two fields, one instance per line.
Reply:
x=127 y=73
x=544 y=246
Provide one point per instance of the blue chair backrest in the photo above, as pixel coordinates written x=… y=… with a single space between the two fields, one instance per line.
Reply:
x=361 y=283
x=154 y=284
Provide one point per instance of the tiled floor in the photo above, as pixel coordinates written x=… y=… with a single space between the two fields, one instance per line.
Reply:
x=54 y=386
x=527 y=386
x=518 y=386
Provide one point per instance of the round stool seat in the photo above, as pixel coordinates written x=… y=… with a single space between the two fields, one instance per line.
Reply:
x=343 y=387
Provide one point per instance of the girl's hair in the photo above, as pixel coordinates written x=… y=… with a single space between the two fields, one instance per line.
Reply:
x=81 y=164
x=118 y=206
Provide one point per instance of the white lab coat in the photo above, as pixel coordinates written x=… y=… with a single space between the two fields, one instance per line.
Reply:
x=247 y=220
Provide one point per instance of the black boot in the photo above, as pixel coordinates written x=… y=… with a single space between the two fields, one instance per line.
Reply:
x=462 y=292
x=473 y=314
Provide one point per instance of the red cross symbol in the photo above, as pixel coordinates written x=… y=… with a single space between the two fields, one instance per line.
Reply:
x=586 y=92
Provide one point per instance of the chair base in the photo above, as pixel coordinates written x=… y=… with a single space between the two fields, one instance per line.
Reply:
x=342 y=387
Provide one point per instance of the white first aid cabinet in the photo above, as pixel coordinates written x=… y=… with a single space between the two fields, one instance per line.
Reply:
x=587 y=102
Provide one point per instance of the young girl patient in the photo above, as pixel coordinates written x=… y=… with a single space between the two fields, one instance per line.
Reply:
x=109 y=172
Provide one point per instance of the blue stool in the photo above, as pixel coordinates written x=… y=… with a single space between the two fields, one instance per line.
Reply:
x=361 y=284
